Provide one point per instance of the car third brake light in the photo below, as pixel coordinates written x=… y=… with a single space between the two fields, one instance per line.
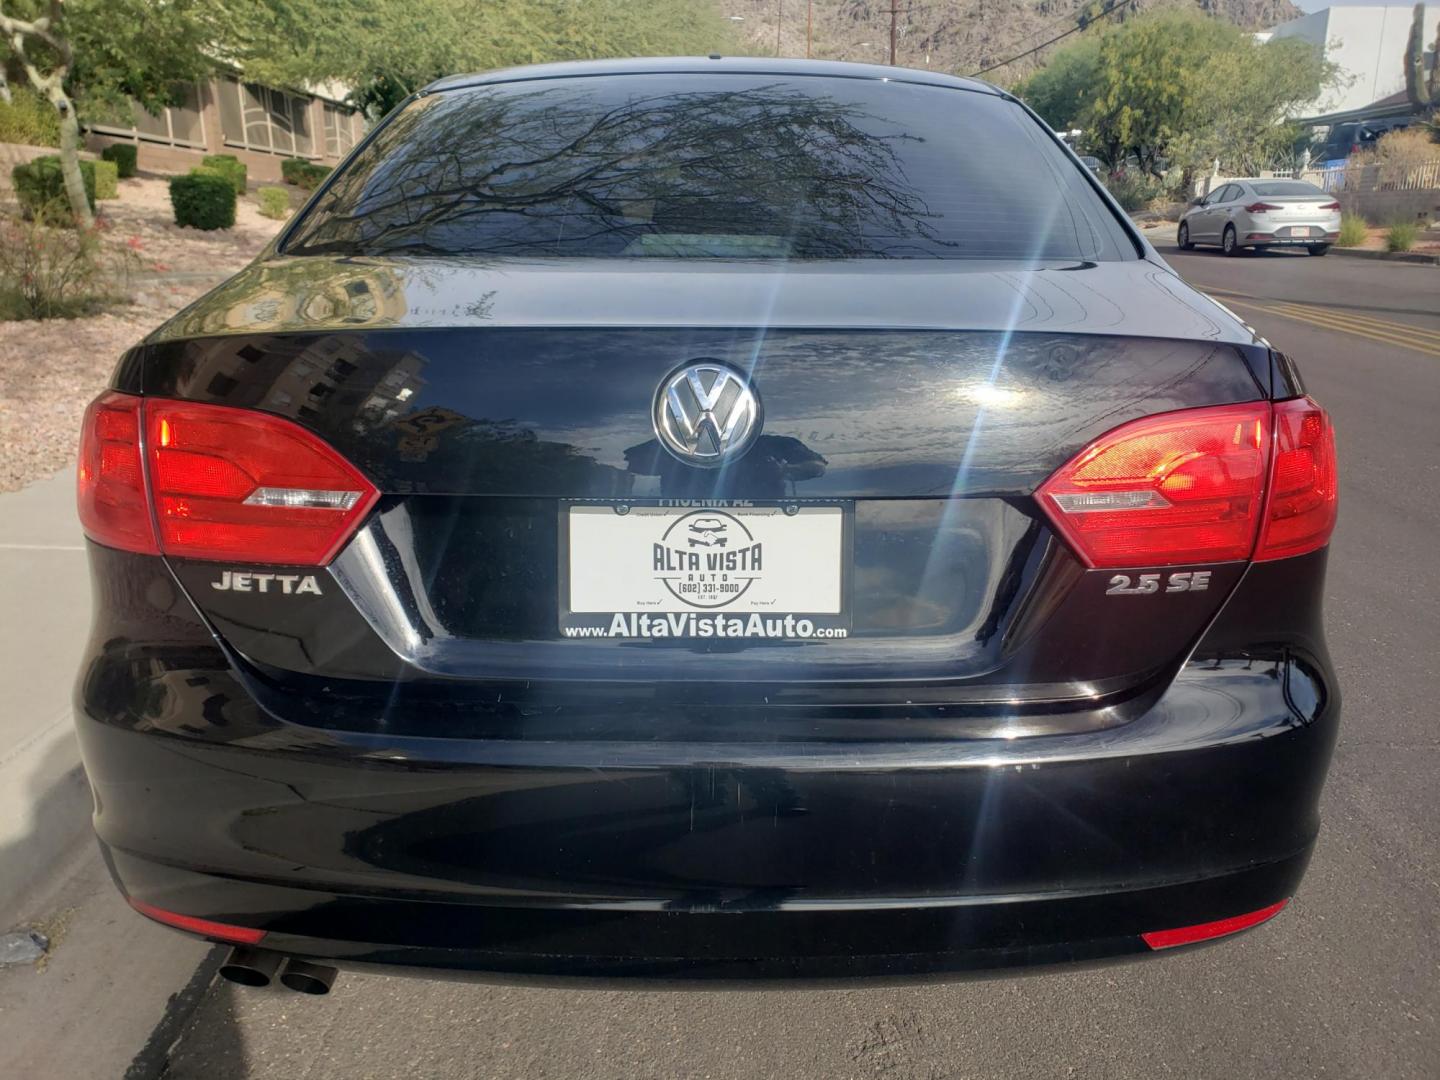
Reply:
x=1190 y=487
x=224 y=483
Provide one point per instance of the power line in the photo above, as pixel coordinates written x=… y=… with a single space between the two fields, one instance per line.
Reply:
x=1058 y=37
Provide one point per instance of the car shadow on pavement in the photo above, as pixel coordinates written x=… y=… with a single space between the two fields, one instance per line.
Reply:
x=209 y=1046
x=58 y=806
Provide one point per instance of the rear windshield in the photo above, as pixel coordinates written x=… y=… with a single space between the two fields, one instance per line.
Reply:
x=1280 y=188
x=713 y=166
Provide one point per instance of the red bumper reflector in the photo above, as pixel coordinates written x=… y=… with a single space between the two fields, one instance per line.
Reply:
x=1188 y=935
x=236 y=935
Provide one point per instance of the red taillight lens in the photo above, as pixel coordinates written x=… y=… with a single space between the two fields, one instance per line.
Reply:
x=1330 y=206
x=1190 y=487
x=110 y=488
x=236 y=935
x=1188 y=935
x=1183 y=487
x=1304 y=482
x=1260 y=207
x=236 y=484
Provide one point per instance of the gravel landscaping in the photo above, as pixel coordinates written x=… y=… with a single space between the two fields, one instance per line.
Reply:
x=49 y=370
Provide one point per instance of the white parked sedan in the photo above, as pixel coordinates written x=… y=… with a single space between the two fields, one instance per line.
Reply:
x=1243 y=214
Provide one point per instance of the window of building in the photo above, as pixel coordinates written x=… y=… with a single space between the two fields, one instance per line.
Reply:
x=180 y=124
x=340 y=133
x=257 y=117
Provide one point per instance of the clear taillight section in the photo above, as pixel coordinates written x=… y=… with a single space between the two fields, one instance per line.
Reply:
x=216 y=483
x=1200 y=486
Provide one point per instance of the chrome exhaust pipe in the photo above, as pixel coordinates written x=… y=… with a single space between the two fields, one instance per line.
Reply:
x=306 y=978
x=250 y=967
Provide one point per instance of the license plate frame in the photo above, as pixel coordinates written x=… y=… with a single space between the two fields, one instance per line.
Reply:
x=800 y=590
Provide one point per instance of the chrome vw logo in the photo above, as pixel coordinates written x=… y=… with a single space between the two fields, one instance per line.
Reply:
x=706 y=413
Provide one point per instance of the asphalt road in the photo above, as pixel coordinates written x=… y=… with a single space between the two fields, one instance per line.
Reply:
x=1346 y=983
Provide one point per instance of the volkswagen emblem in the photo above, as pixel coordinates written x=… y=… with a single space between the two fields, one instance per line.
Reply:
x=706 y=413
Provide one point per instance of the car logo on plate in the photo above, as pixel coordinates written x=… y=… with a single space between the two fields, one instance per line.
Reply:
x=706 y=413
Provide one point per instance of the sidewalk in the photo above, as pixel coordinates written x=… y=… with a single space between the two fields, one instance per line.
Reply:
x=103 y=992
x=45 y=595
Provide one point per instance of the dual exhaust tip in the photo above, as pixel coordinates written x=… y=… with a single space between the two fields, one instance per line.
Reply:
x=247 y=966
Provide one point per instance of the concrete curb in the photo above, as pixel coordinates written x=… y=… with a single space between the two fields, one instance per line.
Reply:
x=1420 y=258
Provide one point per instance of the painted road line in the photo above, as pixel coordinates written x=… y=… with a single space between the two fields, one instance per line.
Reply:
x=1402 y=338
x=1398 y=334
x=1377 y=324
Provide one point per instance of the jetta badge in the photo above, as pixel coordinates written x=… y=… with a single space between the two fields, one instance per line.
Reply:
x=706 y=413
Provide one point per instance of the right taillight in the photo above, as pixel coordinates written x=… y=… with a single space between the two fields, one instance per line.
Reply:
x=1206 y=485
x=1304 y=483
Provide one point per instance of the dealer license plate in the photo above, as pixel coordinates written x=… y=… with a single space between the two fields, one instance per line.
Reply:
x=719 y=571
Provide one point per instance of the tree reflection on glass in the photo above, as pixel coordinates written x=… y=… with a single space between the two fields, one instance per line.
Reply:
x=759 y=171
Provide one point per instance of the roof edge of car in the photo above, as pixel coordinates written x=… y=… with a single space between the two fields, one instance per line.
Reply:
x=714 y=64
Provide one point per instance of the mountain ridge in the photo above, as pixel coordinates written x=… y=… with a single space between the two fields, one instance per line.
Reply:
x=955 y=36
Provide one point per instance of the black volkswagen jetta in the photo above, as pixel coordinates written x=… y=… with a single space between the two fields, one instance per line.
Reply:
x=706 y=519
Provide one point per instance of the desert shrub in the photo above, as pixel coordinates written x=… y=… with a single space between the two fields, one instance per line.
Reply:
x=1133 y=190
x=203 y=199
x=1392 y=160
x=305 y=175
x=107 y=180
x=228 y=166
x=29 y=119
x=274 y=202
x=1353 y=230
x=53 y=272
x=1401 y=236
x=126 y=157
x=40 y=186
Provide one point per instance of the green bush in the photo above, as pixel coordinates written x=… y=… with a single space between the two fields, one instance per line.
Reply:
x=1133 y=190
x=274 y=202
x=228 y=166
x=1401 y=236
x=107 y=180
x=126 y=157
x=29 y=119
x=1354 y=230
x=204 y=199
x=290 y=168
x=40 y=185
x=305 y=175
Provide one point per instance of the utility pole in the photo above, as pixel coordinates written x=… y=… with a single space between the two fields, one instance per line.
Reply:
x=809 y=22
x=894 y=18
x=779 y=18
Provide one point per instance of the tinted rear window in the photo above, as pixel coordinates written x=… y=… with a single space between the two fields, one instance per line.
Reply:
x=717 y=166
x=1281 y=188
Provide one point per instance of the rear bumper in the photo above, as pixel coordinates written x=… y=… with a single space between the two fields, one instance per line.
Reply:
x=671 y=860
x=899 y=939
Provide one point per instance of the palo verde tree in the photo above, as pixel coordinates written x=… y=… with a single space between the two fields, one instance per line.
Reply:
x=1175 y=88
x=92 y=57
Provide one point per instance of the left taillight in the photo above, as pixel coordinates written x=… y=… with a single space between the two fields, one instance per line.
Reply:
x=211 y=482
